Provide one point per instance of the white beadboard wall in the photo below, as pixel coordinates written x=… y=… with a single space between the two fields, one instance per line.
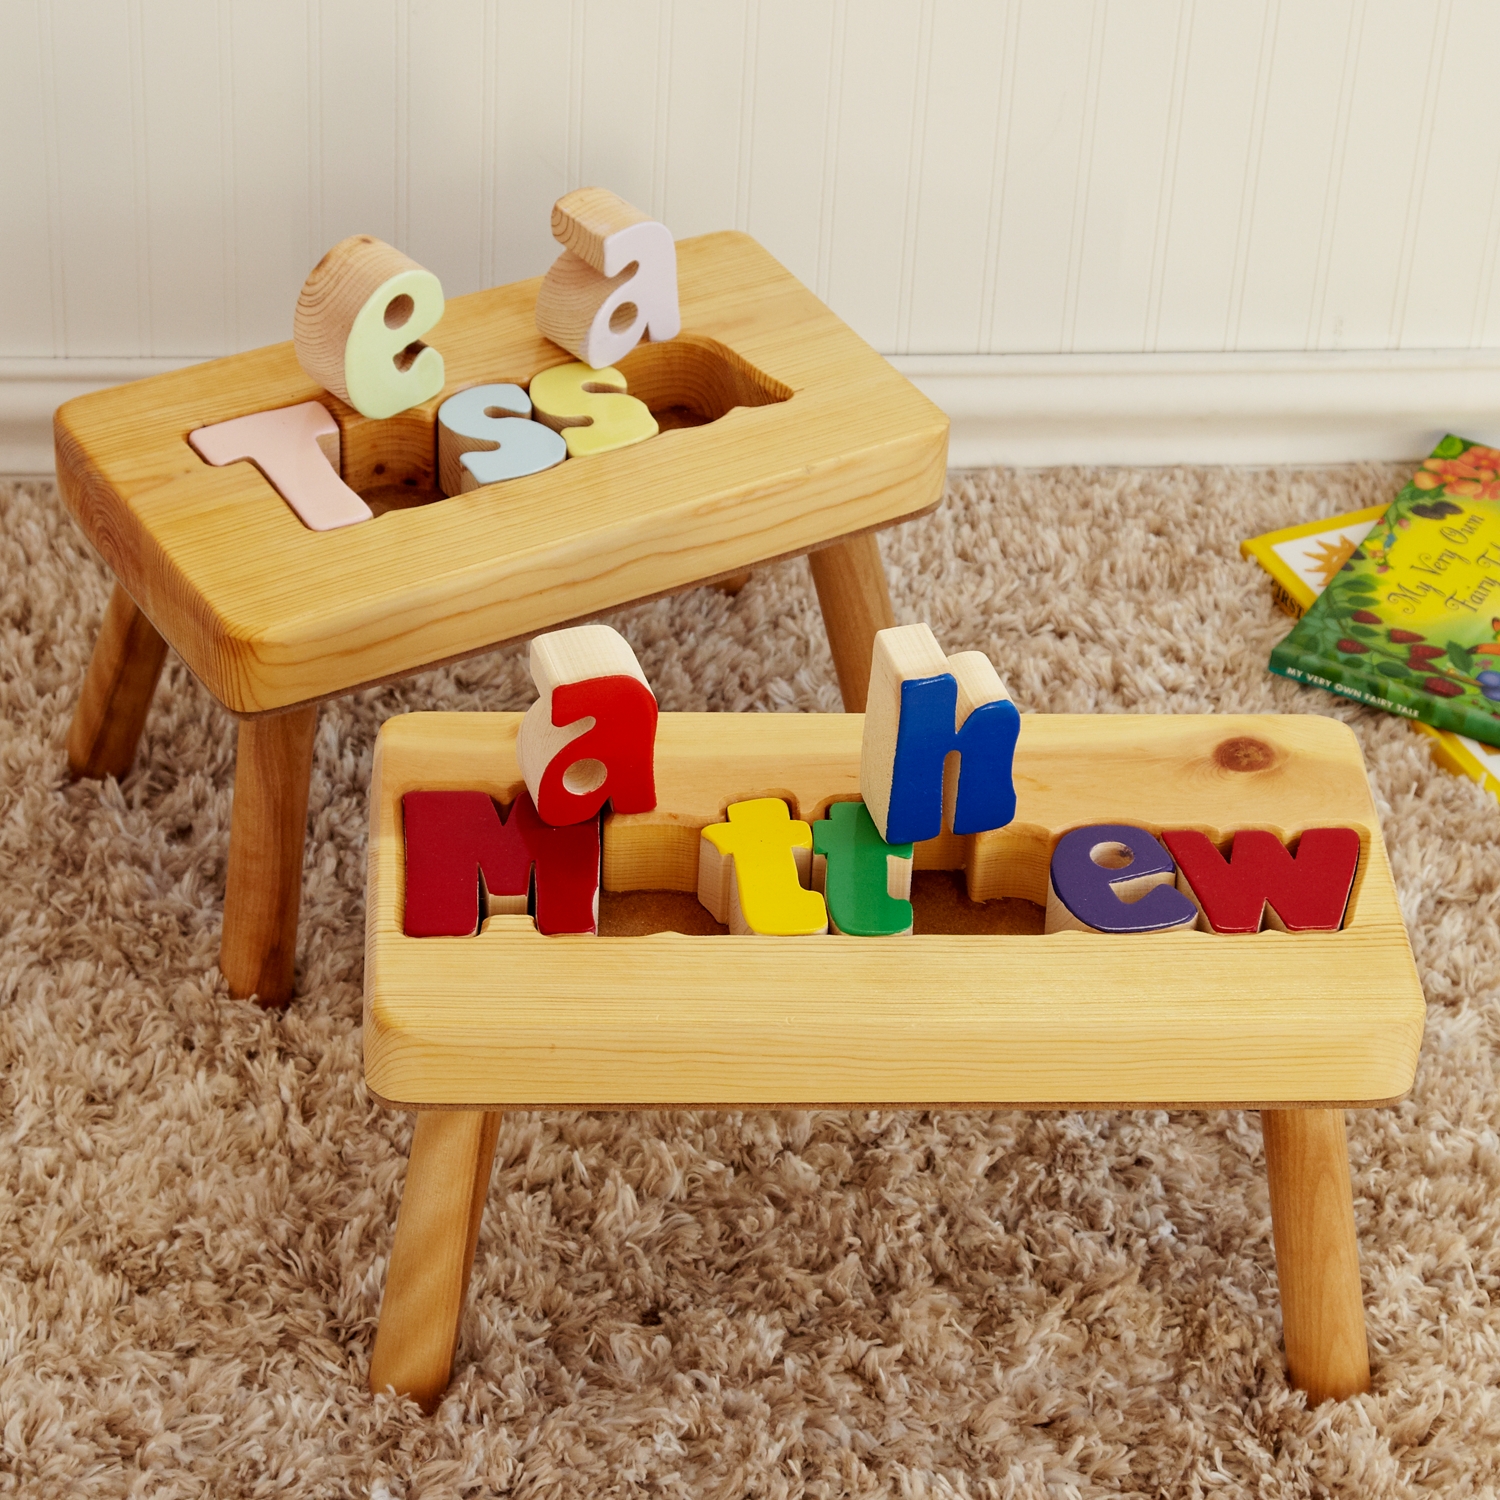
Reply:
x=1094 y=230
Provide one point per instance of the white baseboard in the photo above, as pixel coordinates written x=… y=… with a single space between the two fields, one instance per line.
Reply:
x=32 y=389
x=1045 y=409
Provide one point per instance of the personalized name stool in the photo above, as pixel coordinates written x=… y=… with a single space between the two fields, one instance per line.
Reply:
x=1298 y=1025
x=782 y=433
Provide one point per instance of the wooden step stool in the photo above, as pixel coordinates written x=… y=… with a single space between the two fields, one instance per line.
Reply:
x=1300 y=1027
x=783 y=433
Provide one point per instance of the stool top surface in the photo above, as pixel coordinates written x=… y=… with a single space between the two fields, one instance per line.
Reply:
x=512 y=1019
x=269 y=614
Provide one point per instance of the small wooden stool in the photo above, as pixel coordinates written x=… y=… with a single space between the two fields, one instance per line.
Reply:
x=783 y=434
x=1300 y=1027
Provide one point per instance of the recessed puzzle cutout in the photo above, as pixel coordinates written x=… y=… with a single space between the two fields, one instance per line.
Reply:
x=938 y=750
x=359 y=330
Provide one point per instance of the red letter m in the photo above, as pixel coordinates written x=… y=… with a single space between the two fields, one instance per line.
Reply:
x=458 y=850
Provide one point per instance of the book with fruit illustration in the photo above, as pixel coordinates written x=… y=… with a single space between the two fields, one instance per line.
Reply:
x=1303 y=560
x=1411 y=620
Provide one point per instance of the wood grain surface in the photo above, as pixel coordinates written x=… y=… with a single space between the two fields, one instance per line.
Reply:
x=511 y=1018
x=427 y=1283
x=1317 y=1255
x=269 y=614
x=117 y=691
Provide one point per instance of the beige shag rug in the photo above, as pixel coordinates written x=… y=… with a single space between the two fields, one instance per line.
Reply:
x=198 y=1197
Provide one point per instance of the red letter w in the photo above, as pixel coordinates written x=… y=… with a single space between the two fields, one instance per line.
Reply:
x=1304 y=893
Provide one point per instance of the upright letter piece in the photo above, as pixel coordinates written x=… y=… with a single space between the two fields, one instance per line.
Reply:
x=591 y=734
x=614 y=283
x=1262 y=880
x=1113 y=878
x=866 y=881
x=456 y=840
x=483 y=436
x=923 y=706
x=297 y=449
x=752 y=872
x=359 y=324
x=590 y=409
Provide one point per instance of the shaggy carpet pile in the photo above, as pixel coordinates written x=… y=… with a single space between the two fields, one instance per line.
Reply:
x=198 y=1197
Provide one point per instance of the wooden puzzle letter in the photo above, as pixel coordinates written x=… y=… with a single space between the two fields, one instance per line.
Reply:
x=483 y=437
x=455 y=841
x=457 y=848
x=752 y=872
x=1263 y=881
x=566 y=862
x=866 y=881
x=591 y=734
x=297 y=449
x=615 y=282
x=922 y=707
x=359 y=324
x=590 y=409
x=1116 y=879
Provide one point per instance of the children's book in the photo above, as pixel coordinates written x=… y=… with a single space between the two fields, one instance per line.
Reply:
x=1465 y=757
x=1301 y=560
x=1410 y=621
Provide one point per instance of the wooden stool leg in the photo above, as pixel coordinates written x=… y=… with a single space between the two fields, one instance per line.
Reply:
x=117 y=691
x=856 y=603
x=427 y=1283
x=267 y=829
x=1317 y=1258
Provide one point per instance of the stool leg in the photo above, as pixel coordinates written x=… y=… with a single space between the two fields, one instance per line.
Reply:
x=427 y=1283
x=267 y=829
x=117 y=691
x=856 y=603
x=1317 y=1258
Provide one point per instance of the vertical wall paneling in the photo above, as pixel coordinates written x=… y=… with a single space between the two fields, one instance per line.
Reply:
x=1083 y=172
x=1451 y=219
x=25 y=235
x=1120 y=209
x=140 y=177
x=402 y=63
x=618 y=119
x=357 y=69
x=442 y=168
x=749 y=89
x=532 y=88
x=957 y=177
x=92 y=121
x=704 y=109
x=877 y=109
x=1432 y=74
x=1043 y=149
x=1167 y=178
x=999 y=155
x=229 y=277
x=1337 y=166
x=833 y=95
x=1213 y=160
x=916 y=159
x=1297 y=143
x=1368 y=194
x=181 y=159
x=953 y=176
x=787 y=154
x=276 y=242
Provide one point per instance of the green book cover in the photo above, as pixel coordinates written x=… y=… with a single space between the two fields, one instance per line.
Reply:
x=1411 y=622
